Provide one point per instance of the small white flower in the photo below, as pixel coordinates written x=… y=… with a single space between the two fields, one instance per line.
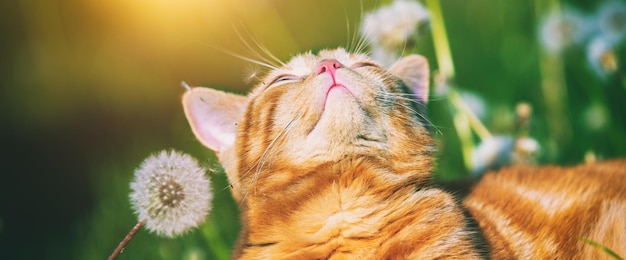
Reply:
x=387 y=29
x=170 y=193
x=523 y=110
x=526 y=151
x=527 y=145
x=611 y=19
x=560 y=30
x=590 y=157
x=498 y=151
x=492 y=152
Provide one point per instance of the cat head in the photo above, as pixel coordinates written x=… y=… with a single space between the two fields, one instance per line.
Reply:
x=314 y=110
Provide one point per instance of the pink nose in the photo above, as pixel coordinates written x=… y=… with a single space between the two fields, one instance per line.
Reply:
x=329 y=66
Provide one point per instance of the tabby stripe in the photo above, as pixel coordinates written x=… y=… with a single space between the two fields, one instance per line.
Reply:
x=267 y=122
x=243 y=145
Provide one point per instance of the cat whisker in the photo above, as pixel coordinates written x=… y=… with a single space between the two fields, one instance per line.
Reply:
x=349 y=38
x=269 y=151
x=244 y=58
x=430 y=97
x=355 y=43
x=361 y=45
x=362 y=42
x=268 y=57
x=263 y=160
x=403 y=96
x=270 y=147
x=271 y=63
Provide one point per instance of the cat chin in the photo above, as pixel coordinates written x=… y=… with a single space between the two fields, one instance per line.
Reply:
x=328 y=145
x=340 y=101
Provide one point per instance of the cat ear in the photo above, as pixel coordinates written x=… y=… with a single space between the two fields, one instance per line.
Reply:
x=413 y=70
x=213 y=115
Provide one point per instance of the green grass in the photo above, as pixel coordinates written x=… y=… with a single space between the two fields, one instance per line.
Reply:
x=601 y=247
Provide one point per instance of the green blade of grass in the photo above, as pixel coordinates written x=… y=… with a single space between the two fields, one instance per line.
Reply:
x=601 y=247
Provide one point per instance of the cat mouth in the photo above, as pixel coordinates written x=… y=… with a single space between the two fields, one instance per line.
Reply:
x=337 y=87
x=337 y=95
x=334 y=96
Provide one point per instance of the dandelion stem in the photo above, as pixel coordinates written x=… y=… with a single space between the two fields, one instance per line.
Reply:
x=474 y=121
x=440 y=38
x=126 y=239
x=217 y=244
x=465 y=136
x=553 y=87
x=466 y=119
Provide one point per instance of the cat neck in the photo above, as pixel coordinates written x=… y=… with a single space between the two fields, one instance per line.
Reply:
x=329 y=198
x=336 y=205
x=368 y=174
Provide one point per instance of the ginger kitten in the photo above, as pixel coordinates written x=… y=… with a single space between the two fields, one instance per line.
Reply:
x=329 y=157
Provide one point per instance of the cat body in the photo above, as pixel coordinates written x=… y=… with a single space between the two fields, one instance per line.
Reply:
x=329 y=157
x=545 y=212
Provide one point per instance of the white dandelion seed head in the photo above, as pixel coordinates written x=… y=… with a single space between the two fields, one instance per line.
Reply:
x=171 y=193
x=601 y=56
x=391 y=26
x=560 y=30
x=611 y=18
x=384 y=56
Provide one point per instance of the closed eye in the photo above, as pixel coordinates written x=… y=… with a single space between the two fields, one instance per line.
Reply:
x=284 y=78
x=363 y=64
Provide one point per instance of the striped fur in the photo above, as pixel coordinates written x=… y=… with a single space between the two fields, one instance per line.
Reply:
x=344 y=173
x=538 y=213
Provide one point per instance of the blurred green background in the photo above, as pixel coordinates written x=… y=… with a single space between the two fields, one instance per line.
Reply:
x=88 y=89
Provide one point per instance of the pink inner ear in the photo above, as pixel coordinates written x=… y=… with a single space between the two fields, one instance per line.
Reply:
x=421 y=91
x=212 y=115
x=413 y=70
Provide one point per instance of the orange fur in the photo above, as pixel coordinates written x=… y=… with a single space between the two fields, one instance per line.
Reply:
x=532 y=213
x=344 y=173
